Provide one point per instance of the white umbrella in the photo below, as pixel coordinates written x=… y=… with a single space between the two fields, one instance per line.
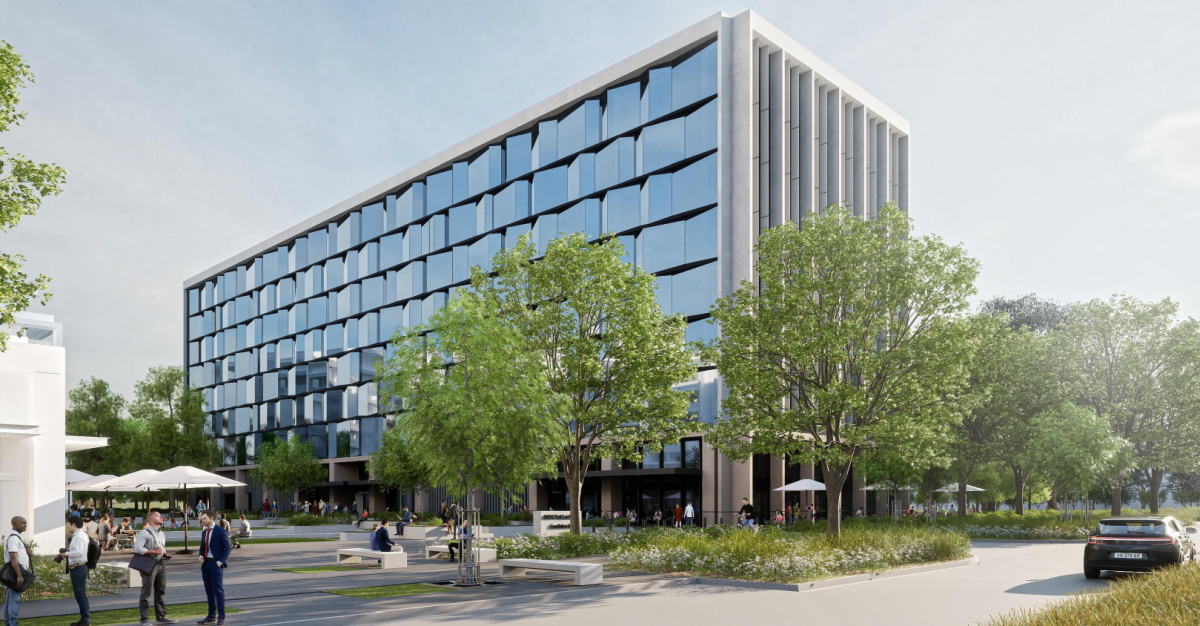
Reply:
x=88 y=484
x=185 y=477
x=804 y=484
x=129 y=482
x=76 y=476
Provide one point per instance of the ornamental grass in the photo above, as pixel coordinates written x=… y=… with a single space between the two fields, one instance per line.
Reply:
x=1169 y=596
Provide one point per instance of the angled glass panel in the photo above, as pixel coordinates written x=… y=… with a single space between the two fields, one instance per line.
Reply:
x=701 y=330
x=431 y=305
x=660 y=145
x=694 y=78
x=410 y=205
x=439 y=191
x=462 y=265
x=656 y=198
x=570 y=132
x=662 y=293
x=513 y=234
x=549 y=188
x=622 y=209
x=694 y=291
x=462 y=180
x=481 y=252
x=662 y=246
x=695 y=185
x=656 y=97
x=616 y=163
x=511 y=203
x=581 y=176
x=440 y=270
x=702 y=236
x=484 y=210
x=702 y=129
x=518 y=155
x=372 y=221
x=545 y=146
x=372 y=292
x=545 y=230
x=462 y=223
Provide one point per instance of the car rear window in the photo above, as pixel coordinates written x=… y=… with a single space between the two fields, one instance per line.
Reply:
x=1132 y=527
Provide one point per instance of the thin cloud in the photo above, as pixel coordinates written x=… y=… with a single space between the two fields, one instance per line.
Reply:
x=1171 y=147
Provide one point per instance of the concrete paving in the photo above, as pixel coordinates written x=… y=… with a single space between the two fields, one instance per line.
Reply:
x=1009 y=575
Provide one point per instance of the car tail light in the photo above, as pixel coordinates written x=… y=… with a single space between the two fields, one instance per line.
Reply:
x=1092 y=541
x=1165 y=542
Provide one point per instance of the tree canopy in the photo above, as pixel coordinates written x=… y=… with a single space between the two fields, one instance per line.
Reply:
x=23 y=185
x=854 y=333
x=285 y=465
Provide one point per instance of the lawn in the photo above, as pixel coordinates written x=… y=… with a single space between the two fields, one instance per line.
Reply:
x=251 y=542
x=318 y=569
x=124 y=616
x=387 y=591
x=1165 y=598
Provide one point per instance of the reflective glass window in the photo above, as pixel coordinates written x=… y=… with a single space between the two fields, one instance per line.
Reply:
x=545 y=147
x=352 y=334
x=481 y=252
x=287 y=291
x=409 y=206
x=549 y=188
x=662 y=293
x=318 y=435
x=195 y=327
x=391 y=251
x=695 y=185
x=691 y=453
x=623 y=110
x=663 y=246
x=656 y=97
x=461 y=180
x=286 y=353
x=513 y=233
x=483 y=214
x=672 y=456
x=439 y=270
x=318 y=246
x=660 y=145
x=372 y=221
x=461 y=223
x=351 y=266
x=391 y=319
x=486 y=170
x=317 y=375
x=656 y=198
x=431 y=305
x=335 y=275
x=462 y=264
x=333 y=408
x=702 y=129
x=368 y=259
x=581 y=176
x=695 y=78
x=628 y=248
x=616 y=163
x=372 y=292
x=371 y=358
x=193 y=301
x=694 y=291
x=372 y=432
x=518 y=155
x=317 y=309
x=368 y=329
x=511 y=203
x=545 y=230
x=435 y=233
x=335 y=335
x=414 y=240
x=701 y=330
x=583 y=217
x=570 y=132
x=349 y=232
x=702 y=236
x=622 y=209
x=439 y=191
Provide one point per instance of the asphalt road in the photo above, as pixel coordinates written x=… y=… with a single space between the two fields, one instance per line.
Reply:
x=1009 y=575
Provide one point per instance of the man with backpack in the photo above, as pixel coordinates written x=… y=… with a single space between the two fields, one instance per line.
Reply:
x=77 y=569
x=16 y=553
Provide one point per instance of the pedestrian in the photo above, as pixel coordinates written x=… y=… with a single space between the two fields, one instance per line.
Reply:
x=266 y=510
x=446 y=520
x=214 y=557
x=747 y=513
x=678 y=516
x=658 y=517
x=787 y=514
x=151 y=542
x=274 y=509
x=14 y=548
x=812 y=513
x=689 y=515
x=105 y=533
x=77 y=569
x=380 y=542
x=404 y=520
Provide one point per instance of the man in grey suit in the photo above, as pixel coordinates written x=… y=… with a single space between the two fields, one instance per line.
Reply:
x=150 y=542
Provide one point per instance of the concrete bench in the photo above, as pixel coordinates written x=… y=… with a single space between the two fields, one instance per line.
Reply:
x=585 y=573
x=396 y=559
x=486 y=555
x=354 y=535
x=135 y=577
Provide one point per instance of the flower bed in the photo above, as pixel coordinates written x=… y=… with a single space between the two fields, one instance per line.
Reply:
x=776 y=556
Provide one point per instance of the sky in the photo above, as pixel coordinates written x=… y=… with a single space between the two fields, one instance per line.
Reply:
x=1059 y=143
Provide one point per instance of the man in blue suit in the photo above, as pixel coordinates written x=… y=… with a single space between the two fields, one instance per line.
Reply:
x=214 y=555
x=380 y=542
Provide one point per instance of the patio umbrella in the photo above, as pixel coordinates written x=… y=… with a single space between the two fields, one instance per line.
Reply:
x=804 y=484
x=129 y=482
x=187 y=477
x=76 y=476
x=89 y=484
x=954 y=489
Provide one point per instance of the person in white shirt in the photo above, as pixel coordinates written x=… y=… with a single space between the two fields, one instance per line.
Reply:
x=150 y=542
x=76 y=556
x=689 y=514
x=14 y=548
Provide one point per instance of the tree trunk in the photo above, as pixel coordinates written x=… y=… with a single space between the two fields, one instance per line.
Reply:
x=1053 y=502
x=1019 y=501
x=574 y=486
x=1116 y=497
x=835 y=478
x=962 y=498
x=1156 y=480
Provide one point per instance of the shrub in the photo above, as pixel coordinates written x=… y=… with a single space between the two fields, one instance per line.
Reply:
x=1164 y=598
x=304 y=519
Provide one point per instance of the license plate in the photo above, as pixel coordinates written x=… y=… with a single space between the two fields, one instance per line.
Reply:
x=1128 y=555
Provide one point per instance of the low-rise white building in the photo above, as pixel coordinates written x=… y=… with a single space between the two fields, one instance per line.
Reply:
x=33 y=439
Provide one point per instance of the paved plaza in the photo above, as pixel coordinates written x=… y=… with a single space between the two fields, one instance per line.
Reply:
x=1009 y=575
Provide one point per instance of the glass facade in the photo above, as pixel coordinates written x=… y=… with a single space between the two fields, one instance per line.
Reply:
x=285 y=345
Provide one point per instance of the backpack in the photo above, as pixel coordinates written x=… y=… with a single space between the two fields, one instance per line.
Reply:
x=93 y=553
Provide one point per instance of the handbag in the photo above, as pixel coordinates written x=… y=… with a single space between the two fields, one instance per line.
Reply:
x=142 y=563
x=8 y=576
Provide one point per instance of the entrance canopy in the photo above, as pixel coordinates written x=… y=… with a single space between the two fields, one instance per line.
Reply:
x=804 y=484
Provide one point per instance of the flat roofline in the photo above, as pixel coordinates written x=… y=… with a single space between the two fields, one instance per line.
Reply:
x=664 y=50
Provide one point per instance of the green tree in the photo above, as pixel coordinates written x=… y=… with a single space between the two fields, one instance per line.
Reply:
x=1078 y=450
x=286 y=465
x=610 y=358
x=1185 y=487
x=475 y=415
x=855 y=331
x=986 y=406
x=394 y=467
x=23 y=185
x=173 y=419
x=95 y=410
x=1129 y=358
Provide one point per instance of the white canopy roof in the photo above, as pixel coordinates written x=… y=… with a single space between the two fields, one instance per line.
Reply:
x=188 y=477
x=89 y=484
x=804 y=484
x=128 y=482
x=76 y=476
x=954 y=489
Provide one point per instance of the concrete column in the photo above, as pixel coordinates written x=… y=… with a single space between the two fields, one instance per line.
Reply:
x=778 y=138
x=856 y=157
x=833 y=148
x=778 y=467
x=902 y=190
x=741 y=484
x=241 y=497
x=883 y=167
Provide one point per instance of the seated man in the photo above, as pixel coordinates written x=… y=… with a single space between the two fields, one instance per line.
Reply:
x=380 y=542
x=465 y=532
